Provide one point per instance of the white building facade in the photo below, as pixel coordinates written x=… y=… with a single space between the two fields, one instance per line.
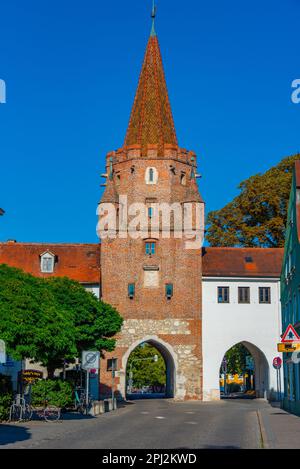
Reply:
x=241 y=309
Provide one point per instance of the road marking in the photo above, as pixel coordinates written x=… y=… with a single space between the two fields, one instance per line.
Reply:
x=145 y=413
x=190 y=423
x=160 y=418
x=189 y=412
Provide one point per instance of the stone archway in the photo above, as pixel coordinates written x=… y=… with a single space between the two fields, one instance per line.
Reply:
x=168 y=355
x=261 y=369
x=212 y=363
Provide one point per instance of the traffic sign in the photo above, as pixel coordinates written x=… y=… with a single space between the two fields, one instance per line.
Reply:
x=277 y=363
x=290 y=335
x=289 y=347
x=90 y=360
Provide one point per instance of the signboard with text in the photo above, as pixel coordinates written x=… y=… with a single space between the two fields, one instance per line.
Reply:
x=31 y=376
x=289 y=348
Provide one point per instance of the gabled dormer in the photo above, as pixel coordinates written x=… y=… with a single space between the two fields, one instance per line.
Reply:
x=47 y=262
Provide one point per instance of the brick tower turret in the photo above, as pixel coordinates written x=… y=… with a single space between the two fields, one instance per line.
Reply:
x=153 y=279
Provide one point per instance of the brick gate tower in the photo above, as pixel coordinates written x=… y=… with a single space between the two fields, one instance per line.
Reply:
x=153 y=279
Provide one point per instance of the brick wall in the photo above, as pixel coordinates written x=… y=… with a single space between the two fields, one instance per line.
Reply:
x=174 y=325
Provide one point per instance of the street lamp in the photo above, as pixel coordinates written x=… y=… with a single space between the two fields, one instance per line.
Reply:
x=154 y=358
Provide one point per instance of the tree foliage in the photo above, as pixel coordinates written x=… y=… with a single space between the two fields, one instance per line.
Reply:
x=52 y=320
x=257 y=216
x=55 y=391
x=146 y=372
x=236 y=359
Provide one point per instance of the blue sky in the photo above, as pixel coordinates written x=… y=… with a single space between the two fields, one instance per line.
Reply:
x=71 y=69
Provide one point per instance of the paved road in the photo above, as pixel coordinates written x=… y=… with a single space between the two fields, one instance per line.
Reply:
x=148 y=424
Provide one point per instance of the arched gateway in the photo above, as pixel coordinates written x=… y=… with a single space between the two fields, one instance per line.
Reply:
x=169 y=357
x=261 y=370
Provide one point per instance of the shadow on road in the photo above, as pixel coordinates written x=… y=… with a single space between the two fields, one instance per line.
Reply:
x=238 y=395
x=12 y=434
x=135 y=397
x=76 y=416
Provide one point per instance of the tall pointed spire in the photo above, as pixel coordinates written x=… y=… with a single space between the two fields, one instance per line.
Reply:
x=153 y=15
x=151 y=121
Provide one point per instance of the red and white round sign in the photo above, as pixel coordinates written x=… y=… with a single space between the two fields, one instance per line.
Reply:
x=277 y=363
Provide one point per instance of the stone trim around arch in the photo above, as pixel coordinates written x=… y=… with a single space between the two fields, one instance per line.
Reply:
x=167 y=352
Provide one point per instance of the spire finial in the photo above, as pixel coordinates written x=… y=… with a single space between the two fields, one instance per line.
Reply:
x=153 y=15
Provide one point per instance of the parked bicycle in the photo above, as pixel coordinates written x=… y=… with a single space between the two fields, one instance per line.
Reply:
x=47 y=412
x=20 y=410
x=82 y=405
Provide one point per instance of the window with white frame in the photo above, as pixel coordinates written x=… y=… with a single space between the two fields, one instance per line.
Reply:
x=47 y=263
x=223 y=294
x=151 y=176
x=264 y=295
x=244 y=295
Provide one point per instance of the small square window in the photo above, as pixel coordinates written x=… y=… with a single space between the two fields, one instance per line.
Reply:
x=265 y=295
x=249 y=260
x=150 y=249
x=223 y=294
x=244 y=295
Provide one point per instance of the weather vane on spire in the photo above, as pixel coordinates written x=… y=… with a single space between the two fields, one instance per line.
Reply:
x=153 y=15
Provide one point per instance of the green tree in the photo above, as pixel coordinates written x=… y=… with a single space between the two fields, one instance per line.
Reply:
x=146 y=372
x=236 y=359
x=49 y=321
x=257 y=216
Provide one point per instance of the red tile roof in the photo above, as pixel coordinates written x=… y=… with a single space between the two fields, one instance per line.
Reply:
x=79 y=262
x=231 y=262
x=151 y=121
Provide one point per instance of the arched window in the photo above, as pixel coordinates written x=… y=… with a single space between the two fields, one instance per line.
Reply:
x=151 y=176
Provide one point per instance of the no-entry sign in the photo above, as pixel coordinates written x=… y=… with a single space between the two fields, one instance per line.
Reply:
x=277 y=363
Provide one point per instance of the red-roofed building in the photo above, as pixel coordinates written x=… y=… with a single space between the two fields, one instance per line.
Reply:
x=80 y=262
x=241 y=304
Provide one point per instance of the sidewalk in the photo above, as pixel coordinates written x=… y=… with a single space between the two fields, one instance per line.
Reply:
x=280 y=430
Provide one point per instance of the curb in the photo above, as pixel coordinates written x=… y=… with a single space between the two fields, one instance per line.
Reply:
x=263 y=432
x=269 y=438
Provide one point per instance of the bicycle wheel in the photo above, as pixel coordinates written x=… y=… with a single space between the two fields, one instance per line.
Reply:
x=15 y=414
x=81 y=409
x=52 y=414
x=27 y=412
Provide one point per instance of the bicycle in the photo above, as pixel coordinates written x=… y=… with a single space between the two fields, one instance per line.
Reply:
x=19 y=410
x=49 y=413
x=81 y=404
